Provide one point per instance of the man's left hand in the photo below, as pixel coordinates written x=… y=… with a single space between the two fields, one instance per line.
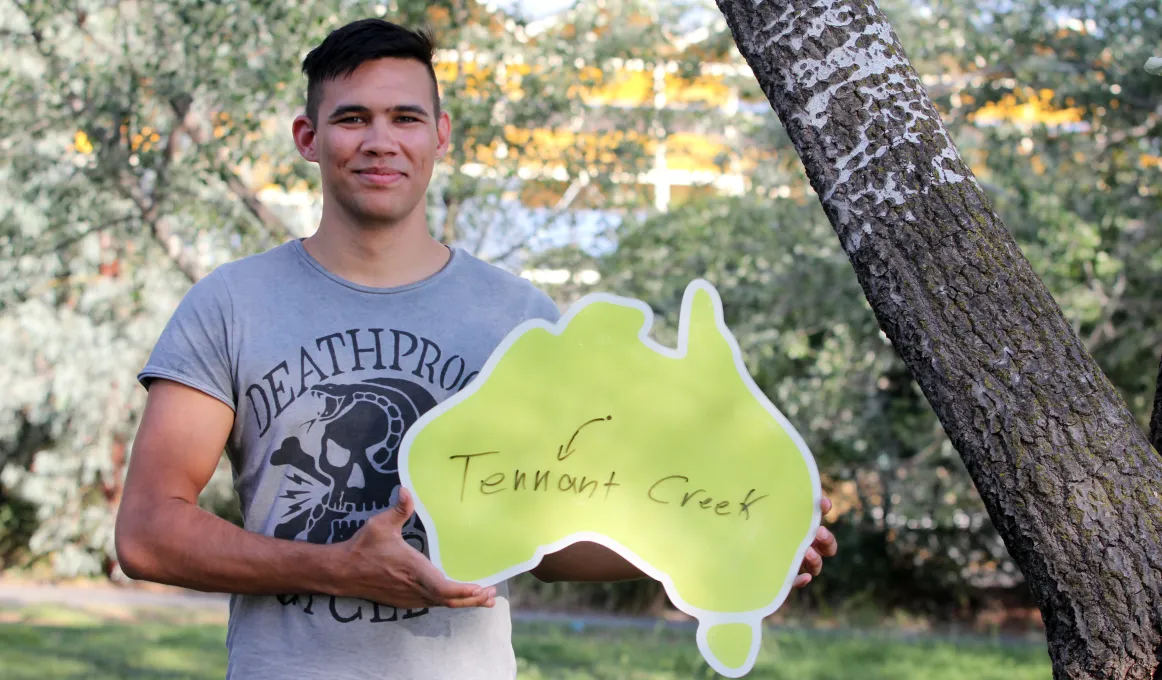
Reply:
x=824 y=545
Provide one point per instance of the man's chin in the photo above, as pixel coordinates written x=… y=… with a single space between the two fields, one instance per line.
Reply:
x=375 y=213
x=379 y=218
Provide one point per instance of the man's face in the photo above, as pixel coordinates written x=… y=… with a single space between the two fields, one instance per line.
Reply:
x=376 y=140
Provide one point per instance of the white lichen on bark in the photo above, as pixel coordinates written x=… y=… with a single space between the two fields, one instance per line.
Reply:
x=869 y=64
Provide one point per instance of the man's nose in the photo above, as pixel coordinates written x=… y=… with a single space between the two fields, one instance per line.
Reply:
x=381 y=138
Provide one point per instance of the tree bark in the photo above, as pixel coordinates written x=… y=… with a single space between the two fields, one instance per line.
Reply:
x=1156 y=414
x=1069 y=479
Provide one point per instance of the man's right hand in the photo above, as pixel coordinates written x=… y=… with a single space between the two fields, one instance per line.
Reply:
x=380 y=566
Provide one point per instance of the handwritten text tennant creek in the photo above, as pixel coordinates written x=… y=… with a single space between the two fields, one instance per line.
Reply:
x=670 y=489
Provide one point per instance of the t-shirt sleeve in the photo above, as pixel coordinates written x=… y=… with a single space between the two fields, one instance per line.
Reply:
x=194 y=348
x=541 y=306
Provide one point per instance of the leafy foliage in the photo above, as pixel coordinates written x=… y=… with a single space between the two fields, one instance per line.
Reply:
x=139 y=144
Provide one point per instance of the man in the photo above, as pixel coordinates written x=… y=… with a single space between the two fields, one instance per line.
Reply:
x=307 y=363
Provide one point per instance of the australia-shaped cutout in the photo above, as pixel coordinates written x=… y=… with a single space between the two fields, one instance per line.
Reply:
x=588 y=430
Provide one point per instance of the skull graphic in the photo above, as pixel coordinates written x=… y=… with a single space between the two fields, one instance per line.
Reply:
x=364 y=425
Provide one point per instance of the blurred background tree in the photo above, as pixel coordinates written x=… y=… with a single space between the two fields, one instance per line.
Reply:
x=146 y=142
x=617 y=146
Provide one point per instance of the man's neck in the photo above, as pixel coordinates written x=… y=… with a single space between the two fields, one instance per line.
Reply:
x=387 y=257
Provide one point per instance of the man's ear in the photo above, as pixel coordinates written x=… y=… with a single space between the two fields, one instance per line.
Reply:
x=443 y=133
x=304 y=133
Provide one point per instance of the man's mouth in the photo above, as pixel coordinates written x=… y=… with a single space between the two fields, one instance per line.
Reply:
x=380 y=177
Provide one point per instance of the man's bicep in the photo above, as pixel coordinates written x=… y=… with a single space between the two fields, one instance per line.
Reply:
x=182 y=435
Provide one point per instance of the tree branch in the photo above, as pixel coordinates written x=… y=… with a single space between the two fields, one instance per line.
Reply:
x=512 y=250
x=172 y=245
x=574 y=190
x=485 y=231
x=451 y=214
x=70 y=240
x=35 y=32
x=265 y=216
x=159 y=227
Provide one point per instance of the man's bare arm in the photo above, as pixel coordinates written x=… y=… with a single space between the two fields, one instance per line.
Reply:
x=163 y=536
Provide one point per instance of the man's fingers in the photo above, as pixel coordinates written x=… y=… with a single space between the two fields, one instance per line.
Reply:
x=441 y=592
x=825 y=543
x=402 y=510
x=451 y=594
x=812 y=563
x=482 y=600
x=825 y=505
x=448 y=590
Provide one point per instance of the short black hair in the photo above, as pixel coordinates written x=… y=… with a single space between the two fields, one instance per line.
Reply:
x=350 y=46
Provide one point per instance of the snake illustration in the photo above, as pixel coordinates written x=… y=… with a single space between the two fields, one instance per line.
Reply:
x=364 y=424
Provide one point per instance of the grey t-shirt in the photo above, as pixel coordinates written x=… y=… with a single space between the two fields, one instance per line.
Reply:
x=324 y=377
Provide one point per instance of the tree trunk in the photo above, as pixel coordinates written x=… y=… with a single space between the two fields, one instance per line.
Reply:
x=448 y=234
x=1156 y=414
x=1068 y=478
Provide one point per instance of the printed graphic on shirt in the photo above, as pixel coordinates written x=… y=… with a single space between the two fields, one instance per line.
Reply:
x=353 y=353
x=342 y=417
x=356 y=471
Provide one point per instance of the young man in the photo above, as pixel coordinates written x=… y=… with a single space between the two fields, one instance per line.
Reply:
x=307 y=363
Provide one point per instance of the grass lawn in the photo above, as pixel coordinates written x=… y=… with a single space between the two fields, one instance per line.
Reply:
x=42 y=643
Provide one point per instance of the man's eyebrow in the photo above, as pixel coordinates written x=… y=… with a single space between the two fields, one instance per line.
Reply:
x=413 y=109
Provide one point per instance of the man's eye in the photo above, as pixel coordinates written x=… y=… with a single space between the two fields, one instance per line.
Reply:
x=407 y=119
x=351 y=119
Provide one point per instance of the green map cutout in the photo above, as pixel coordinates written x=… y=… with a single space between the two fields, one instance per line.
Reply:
x=587 y=430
